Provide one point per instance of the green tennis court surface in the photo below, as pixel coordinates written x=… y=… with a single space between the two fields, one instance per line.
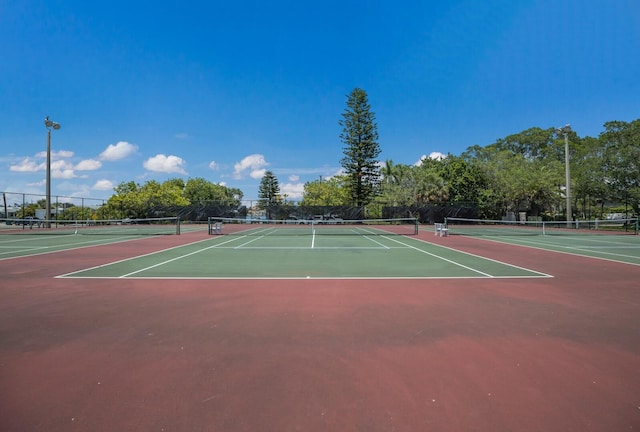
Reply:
x=18 y=245
x=270 y=255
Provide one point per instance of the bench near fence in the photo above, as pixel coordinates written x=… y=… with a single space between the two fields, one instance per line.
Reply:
x=441 y=230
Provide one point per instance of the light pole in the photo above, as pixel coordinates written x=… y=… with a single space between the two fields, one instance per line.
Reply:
x=565 y=131
x=49 y=125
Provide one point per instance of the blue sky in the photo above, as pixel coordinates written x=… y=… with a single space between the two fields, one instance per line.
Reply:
x=226 y=90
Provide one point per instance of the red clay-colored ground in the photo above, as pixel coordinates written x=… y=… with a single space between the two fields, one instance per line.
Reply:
x=558 y=354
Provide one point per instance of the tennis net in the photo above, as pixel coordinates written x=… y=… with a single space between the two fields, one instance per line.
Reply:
x=483 y=227
x=146 y=226
x=334 y=226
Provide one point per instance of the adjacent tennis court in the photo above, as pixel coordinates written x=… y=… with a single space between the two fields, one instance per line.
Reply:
x=20 y=237
x=615 y=240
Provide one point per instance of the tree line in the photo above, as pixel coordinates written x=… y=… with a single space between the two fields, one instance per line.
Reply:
x=523 y=172
x=132 y=200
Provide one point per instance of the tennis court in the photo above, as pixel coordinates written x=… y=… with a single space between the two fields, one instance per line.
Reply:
x=615 y=240
x=389 y=331
x=44 y=237
x=304 y=252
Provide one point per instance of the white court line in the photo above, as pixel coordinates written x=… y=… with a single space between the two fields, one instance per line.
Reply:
x=246 y=243
x=259 y=278
x=254 y=231
x=560 y=240
x=32 y=238
x=610 y=247
x=19 y=249
x=377 y=242
x=20 y=239
x=603 y=253
x=309 y=247
x=24 y=247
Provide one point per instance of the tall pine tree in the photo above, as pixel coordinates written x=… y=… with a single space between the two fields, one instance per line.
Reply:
x=268 y=191
x=361 y=151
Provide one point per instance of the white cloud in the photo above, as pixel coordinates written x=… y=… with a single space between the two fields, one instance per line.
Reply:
x=257 y=174
x=63 y=173
x=165 y=164
x=432 y=155
x=61 y=154
x=213 y=166
x=222 y=183
x=60 y=165
x=88 y=165
x=61 y=169
x=255 y=163
x=103 y=185
x=292 y=190
x=294 y=178
x=26 y=165
x=30 y=165
x=118 y=151
x=182 y=135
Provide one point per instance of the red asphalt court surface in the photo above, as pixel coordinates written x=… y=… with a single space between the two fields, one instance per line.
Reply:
x=547 y=354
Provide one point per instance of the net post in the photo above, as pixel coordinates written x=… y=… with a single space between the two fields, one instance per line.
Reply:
x=178 y=225
x=416 y=231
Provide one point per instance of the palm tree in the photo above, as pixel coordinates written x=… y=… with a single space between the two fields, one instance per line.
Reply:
x=431 y=188
x=389 y=172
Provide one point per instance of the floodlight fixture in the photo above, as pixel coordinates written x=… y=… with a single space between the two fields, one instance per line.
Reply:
x=51 y=124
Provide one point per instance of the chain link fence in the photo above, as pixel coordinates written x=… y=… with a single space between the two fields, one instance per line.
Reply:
x=21 y=205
